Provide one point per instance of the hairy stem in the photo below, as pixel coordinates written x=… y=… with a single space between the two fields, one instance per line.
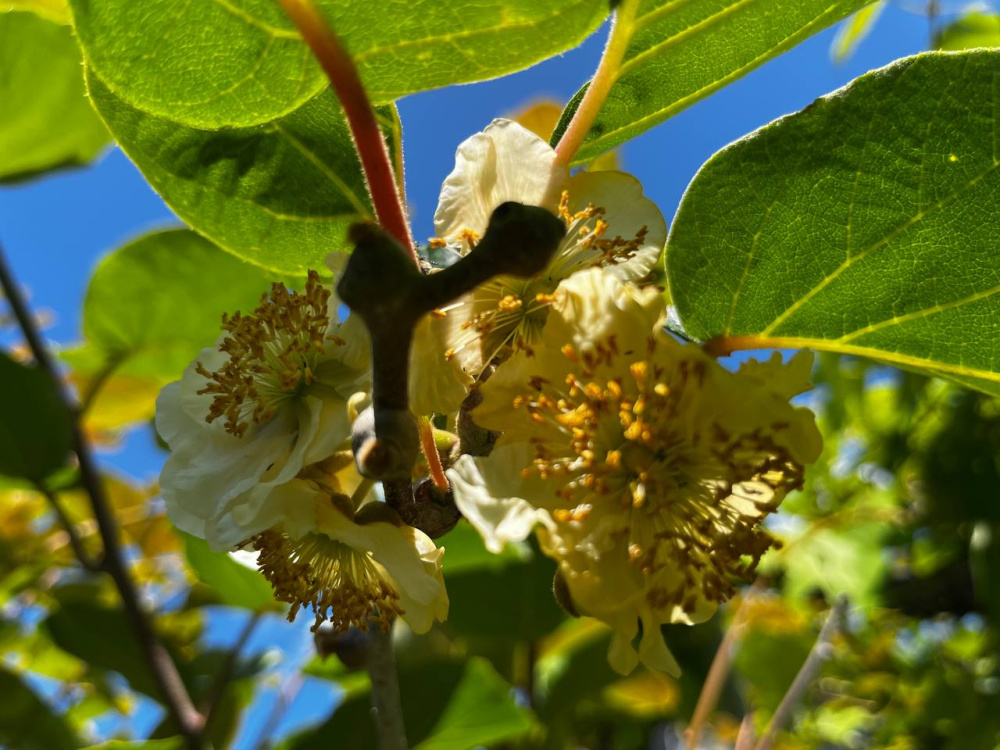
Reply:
x=604 y=78
x=434 y=467
x=343 y=75
x=174 y=693
x=385 y=691
x=821 y=651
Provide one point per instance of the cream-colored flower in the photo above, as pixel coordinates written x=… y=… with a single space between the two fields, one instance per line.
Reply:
x=351 y=567
x=259 y=430
x=649 y=466
x=610 y=224
x=273 y=396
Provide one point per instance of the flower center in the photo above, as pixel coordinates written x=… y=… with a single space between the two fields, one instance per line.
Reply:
x=342 y=585
x=271 y=355
x=510 y=312
x=689 y=495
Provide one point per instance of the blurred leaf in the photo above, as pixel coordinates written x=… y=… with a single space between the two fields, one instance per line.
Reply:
x=280 y=195
x=837 y=561
x=680 y=53
x=894 y=256
x=172 y=743
x=46 y=121
x=769 y=662
x=854 y=30
x=513 y=602
x=446 y=706
x=465 y=551
x=970 y=31
x=53 y=10
x=35 y=426
x=26 y=723
x=237 y=585
x=644 y=694
x=151 y=306
x=260 y=69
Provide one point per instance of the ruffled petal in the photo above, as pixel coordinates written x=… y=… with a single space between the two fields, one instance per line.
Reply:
x=438 y=384
x=486 y=491
x=505 y=162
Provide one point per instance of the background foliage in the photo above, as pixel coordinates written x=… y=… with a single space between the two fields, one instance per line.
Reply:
x=251 y=152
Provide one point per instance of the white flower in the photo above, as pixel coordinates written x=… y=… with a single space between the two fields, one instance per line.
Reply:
x=645 y=464
x=610 y=224
x=272 y=397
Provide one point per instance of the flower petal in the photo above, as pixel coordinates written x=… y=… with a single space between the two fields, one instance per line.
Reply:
x=505 y=162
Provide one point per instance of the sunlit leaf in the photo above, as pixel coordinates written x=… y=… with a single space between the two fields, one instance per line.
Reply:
x=46 y=121
x=172 y=743
x=864 y=224
x=853 y=31
x=237 y=585
x=152 y=305
x=35 y=425
x=280 y=195
x=243 y=62
x=681 y=52
x=973 y=30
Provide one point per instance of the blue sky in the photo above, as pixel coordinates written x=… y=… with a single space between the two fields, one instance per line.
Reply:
x=56 y=229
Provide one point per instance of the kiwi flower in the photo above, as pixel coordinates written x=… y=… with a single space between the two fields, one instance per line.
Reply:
x=259 y=431
x=645 y=466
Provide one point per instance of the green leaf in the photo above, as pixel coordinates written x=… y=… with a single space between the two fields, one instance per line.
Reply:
x=54 y=10
x=681 y=52
x=151 y=306
x=865 y=224
x=173 y=743
x=237 y=586
x=280 y=195
x=447 y=705
x=242 y=62
x=46 y=121
x=26 y=723
x=970 y=31
x=35 y=426
x=854 y=30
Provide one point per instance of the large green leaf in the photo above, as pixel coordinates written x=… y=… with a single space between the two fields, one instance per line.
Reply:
x=45 y=119
x=680 y=52
x=280 y=195
x=447 y=705
x=26 y=723
x=237 y=586
x=242 y=62
x=152 y=305
x=866 y=224
x=35 y=425
x=54 y=10
x=970 y=31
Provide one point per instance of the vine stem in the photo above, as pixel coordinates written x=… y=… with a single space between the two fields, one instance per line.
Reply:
x=388 y=709
x=821 y=651
x=604 y=78
x=178 y=702
x=343 y=75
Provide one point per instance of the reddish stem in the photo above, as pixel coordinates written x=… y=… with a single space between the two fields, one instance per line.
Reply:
x=343 y=75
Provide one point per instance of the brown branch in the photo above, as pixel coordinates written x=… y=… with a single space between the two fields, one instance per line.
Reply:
x=388 y=711
x=76 y=544
x=164 y=671
x=821 y=651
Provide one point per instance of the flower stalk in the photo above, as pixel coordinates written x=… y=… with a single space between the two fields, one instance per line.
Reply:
x=604 y=78
x=343 y=75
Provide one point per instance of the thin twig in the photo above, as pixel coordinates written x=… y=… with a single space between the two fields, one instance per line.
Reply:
x=343 y=75
x=385 y=691
x=746 y=736
x=717 y=673
x=210 y=704
x=821 y=651
x=88 y=563
x=164 y=671
x=604 y=78
x=286 y=695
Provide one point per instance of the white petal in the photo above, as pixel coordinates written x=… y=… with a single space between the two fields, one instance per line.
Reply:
x=487 y=491
x=437 y=384
x=506 y=162
x=627 y=210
